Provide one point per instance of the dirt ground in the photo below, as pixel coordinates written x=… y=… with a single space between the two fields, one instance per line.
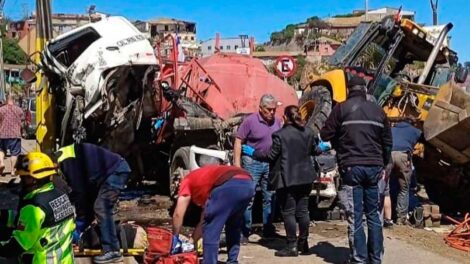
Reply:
x=328 y=244
x=328 y=241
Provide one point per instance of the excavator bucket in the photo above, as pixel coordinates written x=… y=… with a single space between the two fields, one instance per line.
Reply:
x=447 y=126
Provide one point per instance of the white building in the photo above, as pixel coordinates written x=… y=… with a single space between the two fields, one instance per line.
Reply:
x=239 y=45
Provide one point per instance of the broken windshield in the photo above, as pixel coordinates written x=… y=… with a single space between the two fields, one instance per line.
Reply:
x=68 y=49
x=347 y=48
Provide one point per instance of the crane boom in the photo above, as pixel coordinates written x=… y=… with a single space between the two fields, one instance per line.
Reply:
x=45 y=134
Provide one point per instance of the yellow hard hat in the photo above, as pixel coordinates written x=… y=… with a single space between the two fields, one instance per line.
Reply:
x=35 y=164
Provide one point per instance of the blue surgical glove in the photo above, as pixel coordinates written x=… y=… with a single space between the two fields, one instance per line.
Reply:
x=76 y=236
x=80 y=226
x=176 y=245
x=159 y=123
x=324 y=146
x=248 y=150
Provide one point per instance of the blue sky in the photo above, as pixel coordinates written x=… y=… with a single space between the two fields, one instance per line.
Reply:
x=259 y=18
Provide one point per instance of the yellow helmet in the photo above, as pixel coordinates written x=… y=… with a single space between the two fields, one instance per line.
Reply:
x=35 y=164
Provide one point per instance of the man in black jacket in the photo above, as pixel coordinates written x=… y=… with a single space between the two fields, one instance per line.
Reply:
x=360 y=133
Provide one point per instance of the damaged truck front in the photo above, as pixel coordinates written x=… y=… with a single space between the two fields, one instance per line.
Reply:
x=101 y=76
x=111 y=90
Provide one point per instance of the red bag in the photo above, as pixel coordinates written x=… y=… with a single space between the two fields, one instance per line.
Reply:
x=183 y=258
x=159 y=248
x=159 y=241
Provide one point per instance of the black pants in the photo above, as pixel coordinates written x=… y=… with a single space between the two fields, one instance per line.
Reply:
x=294 y=208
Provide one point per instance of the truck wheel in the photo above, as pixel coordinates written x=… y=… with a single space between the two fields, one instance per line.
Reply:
x=178 y=169
x=321 y=98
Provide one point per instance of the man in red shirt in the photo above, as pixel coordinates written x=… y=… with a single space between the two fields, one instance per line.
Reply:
x=10 y=131
x=224 y=192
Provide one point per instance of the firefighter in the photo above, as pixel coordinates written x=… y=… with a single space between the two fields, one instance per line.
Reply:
x=96 y=177
x=44 y=227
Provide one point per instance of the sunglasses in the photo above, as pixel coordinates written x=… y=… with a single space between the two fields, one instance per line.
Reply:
x=270 y=109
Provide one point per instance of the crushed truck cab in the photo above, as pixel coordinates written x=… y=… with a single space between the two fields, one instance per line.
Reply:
x=100 y=74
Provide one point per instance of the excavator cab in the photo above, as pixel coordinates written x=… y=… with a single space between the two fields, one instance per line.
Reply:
x=415 y=75
x=406 y=62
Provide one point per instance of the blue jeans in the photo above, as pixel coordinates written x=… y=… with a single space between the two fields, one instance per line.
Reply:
x=359 y=194
x=259 y=171
x=107 y=198
x=225 y=207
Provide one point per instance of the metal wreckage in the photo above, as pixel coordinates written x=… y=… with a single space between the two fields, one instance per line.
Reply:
x=113 y=88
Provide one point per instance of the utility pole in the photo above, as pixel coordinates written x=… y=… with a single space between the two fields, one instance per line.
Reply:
x=434 y=5
x=25 y=8
x=2 y=71
x=367 y=10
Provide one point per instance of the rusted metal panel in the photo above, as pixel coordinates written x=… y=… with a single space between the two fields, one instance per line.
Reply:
x=448 y=124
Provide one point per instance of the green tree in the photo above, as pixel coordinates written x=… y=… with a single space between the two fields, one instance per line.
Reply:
x=295 y=79
x=12 y=53
x=260 y=48
x=289 y=32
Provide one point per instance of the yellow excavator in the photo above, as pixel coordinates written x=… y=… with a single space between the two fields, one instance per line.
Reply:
x=414 y=75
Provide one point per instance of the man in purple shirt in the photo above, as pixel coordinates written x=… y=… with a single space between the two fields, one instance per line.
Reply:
x=255 y=131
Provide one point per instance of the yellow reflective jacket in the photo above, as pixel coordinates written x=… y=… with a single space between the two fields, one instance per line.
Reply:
x=45 y=226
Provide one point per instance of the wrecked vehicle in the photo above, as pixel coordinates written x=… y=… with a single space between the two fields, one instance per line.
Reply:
x=213 y=95
x=163 y=116
x=101 y=75
x=414 y=75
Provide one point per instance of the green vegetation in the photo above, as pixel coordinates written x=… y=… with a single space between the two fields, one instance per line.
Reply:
x=287 y=34
x=12 y=52
x=260 y=48
x=284 y=35
x=295 y=79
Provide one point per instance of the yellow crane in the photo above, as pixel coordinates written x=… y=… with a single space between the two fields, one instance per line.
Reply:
x=45 y=134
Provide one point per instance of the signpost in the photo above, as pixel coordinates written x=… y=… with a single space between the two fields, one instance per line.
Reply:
x=285 y=66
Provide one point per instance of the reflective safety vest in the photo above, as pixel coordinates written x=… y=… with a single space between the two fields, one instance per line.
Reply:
x=45 y=226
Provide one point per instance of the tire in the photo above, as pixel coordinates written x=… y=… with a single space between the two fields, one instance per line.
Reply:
x=179 y=164
x=322 y=99
x=178 y=168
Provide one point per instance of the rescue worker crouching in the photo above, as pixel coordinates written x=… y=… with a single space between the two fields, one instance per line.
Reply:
x=224 y=192
x=96 y=177
x=44 y=226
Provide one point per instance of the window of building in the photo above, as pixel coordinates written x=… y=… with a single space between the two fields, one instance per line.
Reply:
x=209 y=47
x=166 y=27
x=221 y=47
x=153 y=31
x=192 y=38
x=236 y=47
x=228 y=47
